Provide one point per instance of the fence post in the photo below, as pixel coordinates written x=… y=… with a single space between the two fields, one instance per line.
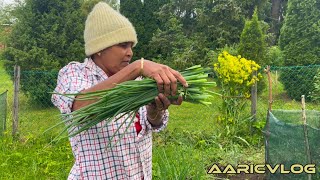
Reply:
x=3 y=112
x=267 y=71
x=254 y=98
x=15 y=122
x=305 y=131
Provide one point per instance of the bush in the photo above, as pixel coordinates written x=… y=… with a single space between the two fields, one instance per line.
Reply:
x=235 y=77
x=315 y=95
x=300 y=37
x=298 y=81
x=274 y=56
x=36 y=83
x=45 y=37
x=213 y=55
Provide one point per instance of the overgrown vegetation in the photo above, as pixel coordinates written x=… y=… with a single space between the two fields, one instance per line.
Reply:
x=315 y=94
x=234 y=74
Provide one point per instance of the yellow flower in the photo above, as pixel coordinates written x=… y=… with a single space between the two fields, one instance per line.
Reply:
x=235 y=72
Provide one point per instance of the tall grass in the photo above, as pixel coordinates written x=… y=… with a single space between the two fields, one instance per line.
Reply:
x=31 y=156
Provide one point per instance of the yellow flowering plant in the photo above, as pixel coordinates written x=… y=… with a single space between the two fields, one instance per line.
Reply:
x=235 y=76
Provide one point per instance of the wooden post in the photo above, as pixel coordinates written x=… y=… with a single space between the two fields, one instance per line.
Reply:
x=4 y=123
x=276 y=80
x=305 y=131
x=267 y=131
x=254 y=99
x=15 y=122
x=267 y=70
x=5 y=117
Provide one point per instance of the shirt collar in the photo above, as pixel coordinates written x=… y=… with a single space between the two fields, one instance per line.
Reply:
x=96 y=70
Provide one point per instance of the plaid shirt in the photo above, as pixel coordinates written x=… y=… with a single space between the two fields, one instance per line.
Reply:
x=129 y=158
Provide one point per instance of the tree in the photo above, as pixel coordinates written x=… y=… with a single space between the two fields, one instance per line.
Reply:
x=300 y=35
x=164 y=43
x=46 y=36
x=143 y=15
x=177 y=44
x=252 y=46
x=252 y=41
x=151 y=24
x=299 y=41
x=221 y=22
x=133 y=10
x=248 y=7
x=277 y=9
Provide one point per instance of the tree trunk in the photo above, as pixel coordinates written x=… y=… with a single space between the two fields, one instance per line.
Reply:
x=275 y=10
x=276 y=18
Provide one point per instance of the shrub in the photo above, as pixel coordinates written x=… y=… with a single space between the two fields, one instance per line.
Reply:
x=298 y=81
x=235 y=77
x=274 y=56
x=315 y=95
x=46 y=36
x=299 y=42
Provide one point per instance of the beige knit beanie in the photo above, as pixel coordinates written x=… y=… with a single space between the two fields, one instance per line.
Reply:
x=106 y=27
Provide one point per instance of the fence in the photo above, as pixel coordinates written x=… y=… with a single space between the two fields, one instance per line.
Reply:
x=3 y=111
x=28 y=97
x=291 y=134
x=35 y=106
x=291 y=142
x=288 y=84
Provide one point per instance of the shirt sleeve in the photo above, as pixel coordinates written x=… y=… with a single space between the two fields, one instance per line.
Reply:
x=149 y=126
x=71 y=80
x=164 y=124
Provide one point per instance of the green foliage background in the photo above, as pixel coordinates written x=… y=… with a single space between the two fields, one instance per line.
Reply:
x=299 y=41
x=47 y=34
x=179 y=33
x=252 y=41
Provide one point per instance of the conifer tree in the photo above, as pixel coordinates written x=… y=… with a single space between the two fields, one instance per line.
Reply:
x=252 y=41
x=133 y=10
x=46 y=35
x=300 y=43
x=252 y=46
x=300 y=34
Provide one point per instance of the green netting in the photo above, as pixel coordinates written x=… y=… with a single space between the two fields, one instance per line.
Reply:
x=286 y=138
x=3 y=111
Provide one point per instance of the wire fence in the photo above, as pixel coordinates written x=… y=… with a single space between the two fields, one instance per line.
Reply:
x=35 y=112
x=288 y=84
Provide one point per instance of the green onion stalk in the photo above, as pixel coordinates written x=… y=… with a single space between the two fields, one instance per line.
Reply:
x=128 y=97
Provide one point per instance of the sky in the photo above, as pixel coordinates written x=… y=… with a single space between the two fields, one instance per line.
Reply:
x=7 y=1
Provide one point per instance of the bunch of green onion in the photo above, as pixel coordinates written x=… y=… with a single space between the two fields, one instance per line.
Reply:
x=127 y=97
